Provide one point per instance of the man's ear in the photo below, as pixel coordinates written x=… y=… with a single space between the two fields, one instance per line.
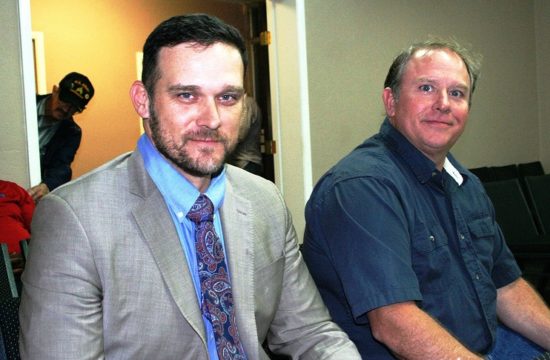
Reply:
x=140 y=99
x=389 y=101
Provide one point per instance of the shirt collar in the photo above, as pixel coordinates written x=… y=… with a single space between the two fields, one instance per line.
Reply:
x=420 y=165
x=177 y=191
x=452 y=171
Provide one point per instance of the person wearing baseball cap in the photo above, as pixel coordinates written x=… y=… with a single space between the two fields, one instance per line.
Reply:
x=59 y=135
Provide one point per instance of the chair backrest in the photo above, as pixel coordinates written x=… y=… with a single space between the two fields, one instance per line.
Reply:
x=484 y=173
x=505 y=172
x=496 y=173
x=539 y=190
x=512 y=212
x=533 y=168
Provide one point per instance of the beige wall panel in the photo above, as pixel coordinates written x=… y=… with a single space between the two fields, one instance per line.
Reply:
x=352 y=43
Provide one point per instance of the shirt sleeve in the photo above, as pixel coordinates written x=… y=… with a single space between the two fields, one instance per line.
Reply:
x=363 y=225
x=505 y=269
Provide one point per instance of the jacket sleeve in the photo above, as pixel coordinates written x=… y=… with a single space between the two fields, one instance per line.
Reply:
x=61 y=305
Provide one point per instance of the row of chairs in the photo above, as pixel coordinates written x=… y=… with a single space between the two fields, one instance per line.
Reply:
x=521 y=172
x=523 y=212
x=10 y=289
x=522 y=205
x=506 y=172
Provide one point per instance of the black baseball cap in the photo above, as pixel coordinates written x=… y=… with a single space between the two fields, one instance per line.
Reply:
x=76 y=89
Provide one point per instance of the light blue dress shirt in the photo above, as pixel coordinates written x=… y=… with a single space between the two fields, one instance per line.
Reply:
x=179 y=195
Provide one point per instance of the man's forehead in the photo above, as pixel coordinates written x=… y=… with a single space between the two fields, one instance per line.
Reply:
x=187 y=65
x=443 y=59
x=438 y=54
x=198 y=48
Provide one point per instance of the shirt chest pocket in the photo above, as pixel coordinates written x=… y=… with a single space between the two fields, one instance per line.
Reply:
x=483 y=234
x=481 y=228
x=431 y=258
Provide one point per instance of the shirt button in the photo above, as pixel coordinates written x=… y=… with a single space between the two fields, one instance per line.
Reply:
x=432 y=238
x=477 y=276
x=461 y=237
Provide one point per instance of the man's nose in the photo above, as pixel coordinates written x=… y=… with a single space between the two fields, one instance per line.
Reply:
x=442 y=103
x=209 y=115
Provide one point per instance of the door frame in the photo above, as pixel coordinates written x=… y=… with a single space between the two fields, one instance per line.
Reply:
x=286 y=21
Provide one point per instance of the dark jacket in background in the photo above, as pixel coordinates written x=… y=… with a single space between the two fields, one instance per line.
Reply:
x=56 y=161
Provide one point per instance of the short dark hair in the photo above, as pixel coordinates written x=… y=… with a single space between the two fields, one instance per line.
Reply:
x=201 y=29
x=397 y=68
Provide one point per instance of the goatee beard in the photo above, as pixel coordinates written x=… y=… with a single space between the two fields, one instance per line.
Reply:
x=202 y=166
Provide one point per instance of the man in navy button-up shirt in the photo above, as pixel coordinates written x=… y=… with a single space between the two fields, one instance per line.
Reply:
x=402 y=240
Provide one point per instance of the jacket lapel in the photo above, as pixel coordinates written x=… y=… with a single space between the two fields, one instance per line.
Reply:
x=238 y=233
x=158 y=230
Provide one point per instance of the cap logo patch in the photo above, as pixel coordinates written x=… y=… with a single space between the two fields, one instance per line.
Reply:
x=79 y=89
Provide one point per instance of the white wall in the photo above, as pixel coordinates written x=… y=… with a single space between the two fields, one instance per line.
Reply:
x=13 y=140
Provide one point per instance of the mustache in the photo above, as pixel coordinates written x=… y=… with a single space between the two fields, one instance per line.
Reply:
x=205 y=134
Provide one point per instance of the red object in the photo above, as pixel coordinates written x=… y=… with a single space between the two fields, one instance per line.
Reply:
x=16 y=209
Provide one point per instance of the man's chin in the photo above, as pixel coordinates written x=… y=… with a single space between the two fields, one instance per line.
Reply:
x=204 y=168
x=203 y=171
x=59 y=116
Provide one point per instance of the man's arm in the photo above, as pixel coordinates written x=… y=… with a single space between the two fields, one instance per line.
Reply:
x=39 y=191
x=61 y=308
x=410 y=333
x=302 y=325
x=520 y=308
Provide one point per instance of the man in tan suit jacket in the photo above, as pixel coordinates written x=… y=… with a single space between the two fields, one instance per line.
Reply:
x=109 y=273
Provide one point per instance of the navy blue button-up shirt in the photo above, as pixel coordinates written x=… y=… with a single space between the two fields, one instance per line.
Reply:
x=385 y=226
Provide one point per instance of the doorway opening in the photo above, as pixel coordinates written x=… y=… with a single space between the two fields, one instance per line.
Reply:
x=259 y=87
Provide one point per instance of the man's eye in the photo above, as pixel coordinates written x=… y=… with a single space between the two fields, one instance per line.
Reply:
x=229 y=98
x=425 y=87
x=457 y=93
x=185 y=95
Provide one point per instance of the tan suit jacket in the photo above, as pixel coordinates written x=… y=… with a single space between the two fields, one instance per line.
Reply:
x=107 y=278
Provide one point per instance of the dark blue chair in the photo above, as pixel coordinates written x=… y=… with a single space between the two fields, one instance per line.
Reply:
x=9 y=308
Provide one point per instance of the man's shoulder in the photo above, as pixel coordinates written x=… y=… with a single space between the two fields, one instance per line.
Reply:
x=107 y=176
x=370 y=159
x=243 y=181
x=254 y=189
x=255 y=194
x=70 y=125
x=370 y=165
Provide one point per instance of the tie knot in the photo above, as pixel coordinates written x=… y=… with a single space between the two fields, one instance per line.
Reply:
x=202 y=210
